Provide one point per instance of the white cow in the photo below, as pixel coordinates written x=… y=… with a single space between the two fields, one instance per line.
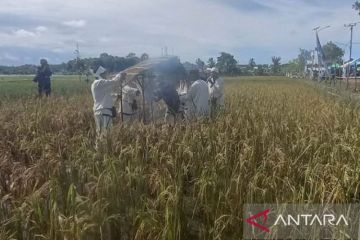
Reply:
x=196 y=100
x=130 y=104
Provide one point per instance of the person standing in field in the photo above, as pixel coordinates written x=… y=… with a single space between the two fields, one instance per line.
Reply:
x=216 y=90
x=42 y=78
x=196 y=98
x=104 y=110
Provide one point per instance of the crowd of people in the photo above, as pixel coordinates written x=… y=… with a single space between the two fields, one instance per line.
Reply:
x=197 y=96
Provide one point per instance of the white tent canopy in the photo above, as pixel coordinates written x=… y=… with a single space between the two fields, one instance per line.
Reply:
x=350 y=63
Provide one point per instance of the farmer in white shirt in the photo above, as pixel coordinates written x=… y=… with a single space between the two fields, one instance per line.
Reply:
x=197 y=97
x=103 y=100
x=216 y=89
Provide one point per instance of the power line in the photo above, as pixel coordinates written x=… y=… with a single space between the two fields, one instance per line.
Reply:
x=318 y=29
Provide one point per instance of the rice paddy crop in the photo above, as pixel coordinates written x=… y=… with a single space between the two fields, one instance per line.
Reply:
x=277 y=141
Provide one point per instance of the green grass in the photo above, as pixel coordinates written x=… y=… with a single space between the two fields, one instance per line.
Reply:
x=21 y=87
x=15 y=87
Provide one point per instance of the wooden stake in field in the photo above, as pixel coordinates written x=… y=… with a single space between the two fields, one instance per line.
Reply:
x=141 y=83
x=121 y=100
x=78 y=63
x=355 y=79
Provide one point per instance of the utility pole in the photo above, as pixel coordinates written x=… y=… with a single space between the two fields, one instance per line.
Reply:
x=77 y=51
x=351 y=26
x=77 y=60
x=344 y=48
x=313 y=60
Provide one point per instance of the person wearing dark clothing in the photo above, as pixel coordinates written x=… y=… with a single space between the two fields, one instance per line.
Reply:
x=42 y=78
x=170 y=96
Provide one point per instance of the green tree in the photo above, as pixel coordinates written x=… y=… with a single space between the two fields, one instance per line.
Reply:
x=144 y=57
x=252 y=63
x=80 y=67
x=303 y=57
x=291 y=67
x=259 y=71
x=131 y=55
x=200 y=64
x=211 y=63
x=227 y=63
x=333 y=53
x=356 y=6
x=131 y=59
x=276 y=64
x=107 y=61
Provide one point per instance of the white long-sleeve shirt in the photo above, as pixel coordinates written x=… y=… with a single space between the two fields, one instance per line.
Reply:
x=101 y=90
x=197 y=99
x=216 y=90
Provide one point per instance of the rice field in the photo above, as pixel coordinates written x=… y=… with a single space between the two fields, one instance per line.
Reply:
x=14 y=87
x=277 y=141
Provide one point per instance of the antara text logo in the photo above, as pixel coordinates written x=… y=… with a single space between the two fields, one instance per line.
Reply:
x=300 y=221
x=309 y=220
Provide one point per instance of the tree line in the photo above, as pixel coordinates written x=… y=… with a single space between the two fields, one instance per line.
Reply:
x=226 y=63
x=81 y=66
x=333 y=55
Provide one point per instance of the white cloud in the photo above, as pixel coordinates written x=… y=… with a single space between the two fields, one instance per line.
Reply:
x=24 y=33
x=104 y=39
x=8 y=56
x=190 y=28
x=58 y=50
x=46 y=58
x=75 y=23
x=41 y=29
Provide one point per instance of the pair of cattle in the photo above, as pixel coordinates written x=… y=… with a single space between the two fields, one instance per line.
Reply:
x=153 y=103
x=146 y=84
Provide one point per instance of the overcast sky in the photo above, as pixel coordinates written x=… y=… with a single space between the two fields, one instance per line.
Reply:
x=33 y=29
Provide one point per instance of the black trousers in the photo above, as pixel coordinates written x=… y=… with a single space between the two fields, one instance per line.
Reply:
x=44 y=87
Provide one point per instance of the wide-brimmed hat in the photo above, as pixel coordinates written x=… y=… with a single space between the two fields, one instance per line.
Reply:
x=214 y=70
x=100 y=71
